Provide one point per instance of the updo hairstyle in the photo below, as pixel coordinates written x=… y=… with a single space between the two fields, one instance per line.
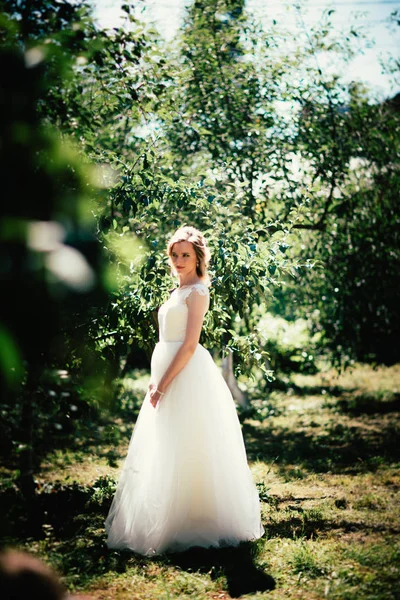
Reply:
x=197 y=239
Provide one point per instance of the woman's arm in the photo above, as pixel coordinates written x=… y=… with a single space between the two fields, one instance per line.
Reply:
x=197 y=306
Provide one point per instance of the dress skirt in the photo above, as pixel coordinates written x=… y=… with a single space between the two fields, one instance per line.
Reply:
x=185 y=481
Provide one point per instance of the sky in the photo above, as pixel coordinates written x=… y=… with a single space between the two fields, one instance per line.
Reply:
x=371 y=15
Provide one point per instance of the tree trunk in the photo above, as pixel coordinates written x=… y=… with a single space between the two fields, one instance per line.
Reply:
x=27 y=484
x=229 y=376
x=26 y=480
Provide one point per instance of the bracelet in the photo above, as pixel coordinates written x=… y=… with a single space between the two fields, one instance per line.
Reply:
x=161 y=393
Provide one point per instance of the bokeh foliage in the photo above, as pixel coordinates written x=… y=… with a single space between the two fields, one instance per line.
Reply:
x=51 y=258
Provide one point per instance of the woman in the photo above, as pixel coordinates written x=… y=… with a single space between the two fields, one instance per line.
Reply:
x=185 y=481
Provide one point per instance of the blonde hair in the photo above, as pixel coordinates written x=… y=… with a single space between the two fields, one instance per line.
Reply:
x=197 y=239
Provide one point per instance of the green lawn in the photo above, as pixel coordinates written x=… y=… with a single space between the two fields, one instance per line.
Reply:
x=325 y=454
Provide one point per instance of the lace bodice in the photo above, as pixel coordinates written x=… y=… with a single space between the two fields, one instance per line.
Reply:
x=173 y=314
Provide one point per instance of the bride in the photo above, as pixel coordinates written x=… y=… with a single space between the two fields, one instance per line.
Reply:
x=185 y=481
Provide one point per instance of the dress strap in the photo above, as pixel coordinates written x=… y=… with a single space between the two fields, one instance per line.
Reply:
x=187 y=290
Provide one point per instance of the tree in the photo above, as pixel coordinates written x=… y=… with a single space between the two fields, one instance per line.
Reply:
x=354 y=301
x=332 y=152
x=51 y=258
x=145 y=192
x=224 y=116
x=142 y=194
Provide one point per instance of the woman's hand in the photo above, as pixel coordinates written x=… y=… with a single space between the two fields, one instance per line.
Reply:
x=155 y=395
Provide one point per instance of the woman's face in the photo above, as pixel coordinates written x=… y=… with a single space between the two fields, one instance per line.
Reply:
x=183 y=258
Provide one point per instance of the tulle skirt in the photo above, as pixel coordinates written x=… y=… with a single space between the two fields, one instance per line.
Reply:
x=185 y=481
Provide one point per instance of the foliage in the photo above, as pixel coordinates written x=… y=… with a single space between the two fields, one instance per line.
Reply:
x=353 y=301
x=232 y=152
x=65 y=72
x=278 y=133
x=289 y=344
x=102 y=491
x=223 y=115
x=111 y=100
x=239 y=275
x=51 y=258
x=95 y=85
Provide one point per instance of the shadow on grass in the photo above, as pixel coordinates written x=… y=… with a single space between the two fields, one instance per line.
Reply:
x=70 y=527
x=337 y=448
x=100 y=439
x=295 y=527
x=349 y=399
x=310 y=390
x=235 y=564
x=67 y=527
x=369 y=404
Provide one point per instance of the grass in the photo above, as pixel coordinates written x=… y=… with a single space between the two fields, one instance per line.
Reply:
x=325 y=456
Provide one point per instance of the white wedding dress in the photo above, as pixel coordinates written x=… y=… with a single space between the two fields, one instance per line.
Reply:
x=185 y=481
